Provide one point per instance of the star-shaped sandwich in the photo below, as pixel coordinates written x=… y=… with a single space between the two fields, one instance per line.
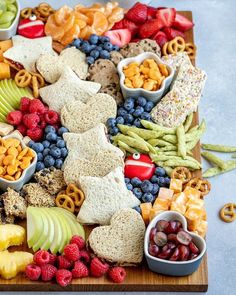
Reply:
x=67 y=89
x=26 y=51
x=104 y=196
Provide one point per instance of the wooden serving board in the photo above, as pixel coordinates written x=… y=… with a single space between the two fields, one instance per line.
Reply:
x=138 y=278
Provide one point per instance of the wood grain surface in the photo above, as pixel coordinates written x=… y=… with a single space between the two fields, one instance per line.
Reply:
x=138 y=278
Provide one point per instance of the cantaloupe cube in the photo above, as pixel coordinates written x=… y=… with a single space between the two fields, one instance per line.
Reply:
x=176 y=185
x=154 y=212
x=161 y=204
x=193 y=216
x=5 y=72
x=192 y=192
x=145 y=211
x=165 y=193
x=181 y=208
x=4 y=46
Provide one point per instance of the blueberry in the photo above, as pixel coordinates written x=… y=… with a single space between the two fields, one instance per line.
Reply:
x=136 y=182
x=49 y=129
x=137 y=123
x=64 y=152
x=149 y=106
x=55 y=152
x=39 y=166
x=138 y=111
x=127 y=180
x=94 y=53
x=62 y=130
x=104 y=54
x=98 y=48
x=90 y=60
x=46 y=152
x=128 y=118
x=146 y=186
x=145 y=116
x=131 y=111
x=30 y=144
x=114 y=131
x=52 y=146
x=129 y=186
x=141 y=101
x=148 y=198
x=137 y=192
x=159 y=171
x=104 y=39
x=121 y=112
x=115 y=47
x=93 y=39
x=59 y=138
x=49 y=161
x=167 y=181
x=155 y=189
x=46 y=143
x=129 y=104
x=93 y=47
x=51 y=137
x=76 y=43
x=108 y=46
x=154 y=179
x=138 y=209
x=85 y=47
x=120 y=120
x=58 y=163
x=61 y=143
x=39 y=157
x=38 y=147
x=111 y=122
x=161 y=181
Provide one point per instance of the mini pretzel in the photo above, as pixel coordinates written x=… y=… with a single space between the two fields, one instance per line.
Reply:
x=65 y=202
x=45 y=9
x=190 y=48
x=39 y=16
x=164 y=49
x=176 y=45
x=181 y=173
x=201 y=185
x=26 y=12
x=228 y=212
x=76 y=194
x=39 y=78
x=35 y=87
x=23 y=78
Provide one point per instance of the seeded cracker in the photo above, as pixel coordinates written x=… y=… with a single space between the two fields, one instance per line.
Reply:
x=36 y=196
x=14 y=204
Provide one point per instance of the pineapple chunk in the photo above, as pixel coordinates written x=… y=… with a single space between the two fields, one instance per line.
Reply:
x=11 y=235
x=165 y=193
x=176 y=185
x=11 y=263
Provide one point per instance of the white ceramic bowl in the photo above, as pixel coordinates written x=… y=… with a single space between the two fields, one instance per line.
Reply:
x=26 y=175
x=173 y=268
x=6 y=34
x=154 y=96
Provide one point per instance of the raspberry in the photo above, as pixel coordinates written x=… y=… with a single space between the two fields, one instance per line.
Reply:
x=51 y=117
x=31 y=120
x=36 y=106
x=80 y=270
x=71 y=252
x=48 y=272
x=79 y=241
x=42 y=124
x=41 y=257
x=14 y=117
x=22 y=129
x=24 y=104
x=53 y=259
x=63 y=277
x=35 y=134
x=63 y=262
x=33 y=272
x=117 y=274
x=98 y=268
x=84 y=256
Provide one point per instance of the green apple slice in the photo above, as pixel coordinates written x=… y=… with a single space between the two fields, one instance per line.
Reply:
x=5 y=103
x=2 y=118
x=45 y=232
x=51 y=232
x=4 y=109
x=9 y=93
x=35 y=226
x=26 y=92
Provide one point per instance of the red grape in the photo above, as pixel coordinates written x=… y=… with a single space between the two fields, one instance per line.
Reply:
x=172 y=228
x=184 y=238
x=175 y=255
x=171 y=245
x=193 y=248
x=164 y=254
x=172 y=238
x=183 y=253
x=160 y=239
x=178 y=224
x=153 y=249
x=192 y=256
x=153 y=232
x=162 y=225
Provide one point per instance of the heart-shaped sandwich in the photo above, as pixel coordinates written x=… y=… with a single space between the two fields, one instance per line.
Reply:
x=121 y=242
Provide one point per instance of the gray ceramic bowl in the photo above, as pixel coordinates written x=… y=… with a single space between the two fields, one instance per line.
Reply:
x=154 y=96
x=26 y=175
x=173 y=268
x=6 y=34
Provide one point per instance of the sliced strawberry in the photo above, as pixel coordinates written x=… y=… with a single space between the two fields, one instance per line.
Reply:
x=150 y=28
x=166 y=16
x=151 y=12
x=172 y=33
x=119 y=37
x=118 y=25
x=161 y=38
x=128 y=24
x=137 y=13
x=182 y=23
x=161 y=7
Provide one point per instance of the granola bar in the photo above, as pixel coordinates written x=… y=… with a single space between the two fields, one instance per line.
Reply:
x=37 y=196
x=14 y=204
x=4 y=219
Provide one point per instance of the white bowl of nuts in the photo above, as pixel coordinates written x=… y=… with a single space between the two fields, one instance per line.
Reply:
x=145 y=75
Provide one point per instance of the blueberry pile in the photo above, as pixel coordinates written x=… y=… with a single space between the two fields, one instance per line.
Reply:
x=130 y=113
x=146 y=191
x=52 y=150
x=95 y=47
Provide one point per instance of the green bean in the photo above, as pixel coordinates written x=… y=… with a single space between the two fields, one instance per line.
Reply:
x=158 y=142
x=234 y=156
x=182 y=151
x=136 y=136
x=168 y=148
x=144 y=133
x=132 y=142
x=156 y=127
x=184 y=163
x=192 y=130
x=214 y=159
x=170 y=138
x=126 y=147
x=200 y=131
x=219 y=148
x=188 y=122
x=230 y=165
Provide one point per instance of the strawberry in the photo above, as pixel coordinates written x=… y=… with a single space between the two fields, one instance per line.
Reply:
x=181 y=23
x=166 y=16
x=137 y=13
x=119 y=37
x=48 y=272
x=36 y=134
x=31 y=120
x=151 y=12
x=128 y=24
x=118 y=25
x=14 y=117
x=161 y=38
x=149 y=28
x=172 y=33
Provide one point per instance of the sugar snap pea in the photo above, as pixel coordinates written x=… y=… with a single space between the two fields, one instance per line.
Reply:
x=132 y=142
x=144 y=133
x=234 y=156
x=219 y=148
x=230 y=165
x=214 y=159
x=182 y=151
x=137 y=137
x=156 y=127
x=158 y=142
x=188 y=122
x=126 y=147
x=185 y=163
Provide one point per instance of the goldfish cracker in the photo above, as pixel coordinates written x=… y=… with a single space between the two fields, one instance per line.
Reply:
x=11 y=170
x=9 y=160
x=144 y=70
x=192 y=192
x=30 y=153
x=145 y=211
x=128 y=83
x=23 y=153
x=11 y=142
x=137 y=81
x=163 y=69
x=176 y=185
x=18 y=175
x=2 y=171
x=2 y=150
x=19 y=148
x=149 y=84
x=8 y=177
x=25 y=163
x=12 y=151
x=165 y=193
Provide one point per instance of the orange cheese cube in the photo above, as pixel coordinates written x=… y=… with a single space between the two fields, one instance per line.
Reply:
x=180 y=198
x=176 y=185
x=4 y=46
x=193 y=216
x=165 y=193
x=154 y=212
x=195 y=203
x=201 y=228
x=192 y=192
x=5 y=72
x=161 y=204
x=181 y=208
x=145 y=211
